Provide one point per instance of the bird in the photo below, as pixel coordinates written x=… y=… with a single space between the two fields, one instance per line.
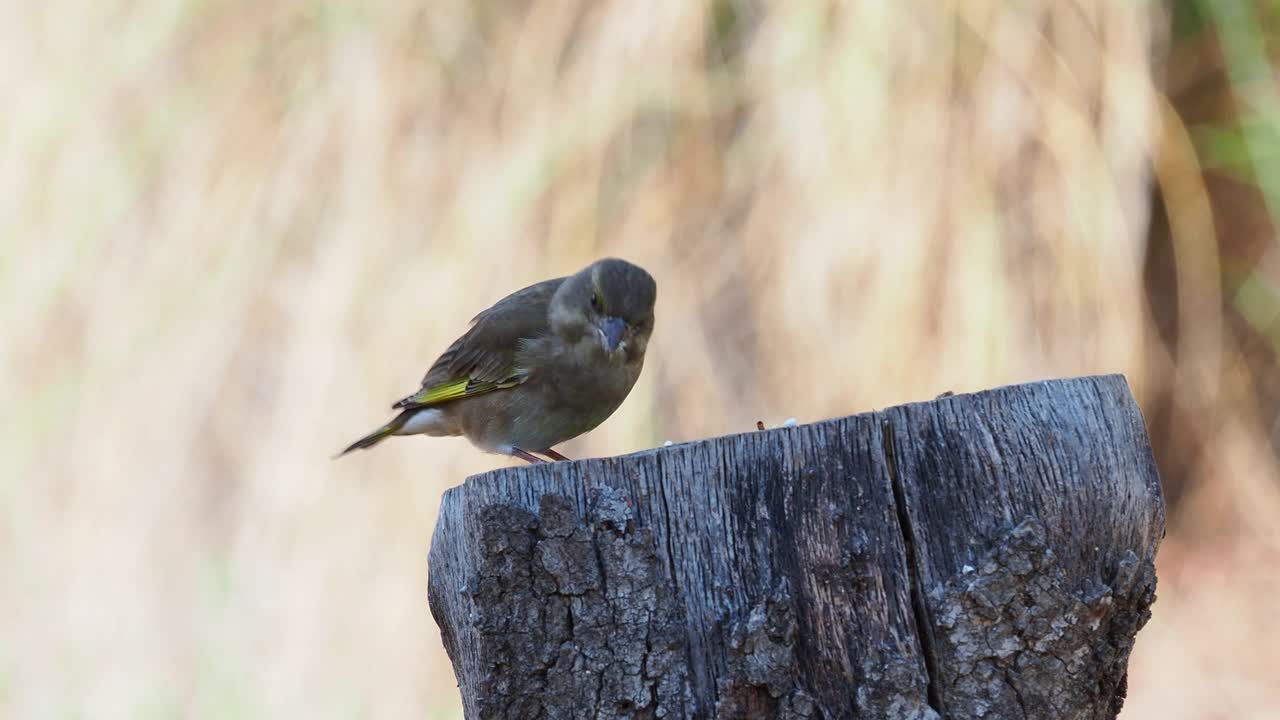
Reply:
x=543 y=365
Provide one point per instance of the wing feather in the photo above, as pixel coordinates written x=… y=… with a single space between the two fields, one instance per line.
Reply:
x=484 y=358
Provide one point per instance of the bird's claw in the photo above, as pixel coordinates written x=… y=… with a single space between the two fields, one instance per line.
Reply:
x=526 y=456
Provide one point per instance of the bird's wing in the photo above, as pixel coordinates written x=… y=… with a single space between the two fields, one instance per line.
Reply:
x=484 y=358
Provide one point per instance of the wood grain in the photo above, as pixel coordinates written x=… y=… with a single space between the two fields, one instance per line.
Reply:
x=985 y=555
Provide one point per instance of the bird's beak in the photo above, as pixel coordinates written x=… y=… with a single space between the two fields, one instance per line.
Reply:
x=611 y=330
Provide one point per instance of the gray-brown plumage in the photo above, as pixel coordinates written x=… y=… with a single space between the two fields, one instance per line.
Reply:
x=543 y=365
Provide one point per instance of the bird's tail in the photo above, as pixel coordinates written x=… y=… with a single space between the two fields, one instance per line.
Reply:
x=380 y=434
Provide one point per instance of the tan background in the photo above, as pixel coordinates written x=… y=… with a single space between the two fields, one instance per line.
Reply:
x=234 y=232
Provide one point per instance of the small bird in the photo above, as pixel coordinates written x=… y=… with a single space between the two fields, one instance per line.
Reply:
x=544 y=365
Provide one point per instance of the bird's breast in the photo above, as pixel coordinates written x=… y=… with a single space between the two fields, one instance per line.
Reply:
x=593 y=390
x=572 y=387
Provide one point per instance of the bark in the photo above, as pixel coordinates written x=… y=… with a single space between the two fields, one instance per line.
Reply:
x=986 y=555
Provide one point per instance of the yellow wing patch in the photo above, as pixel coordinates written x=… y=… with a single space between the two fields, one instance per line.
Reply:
x=445 y=392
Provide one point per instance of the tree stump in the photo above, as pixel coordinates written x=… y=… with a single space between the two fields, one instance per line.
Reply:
x=978 y=556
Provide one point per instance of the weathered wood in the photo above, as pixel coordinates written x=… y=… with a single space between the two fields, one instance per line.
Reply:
x=985 y=555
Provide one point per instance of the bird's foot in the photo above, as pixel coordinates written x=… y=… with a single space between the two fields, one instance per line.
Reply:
x=554 y=455
x=526 y=456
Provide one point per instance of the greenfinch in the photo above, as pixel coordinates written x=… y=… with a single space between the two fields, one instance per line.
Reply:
x=541 y=366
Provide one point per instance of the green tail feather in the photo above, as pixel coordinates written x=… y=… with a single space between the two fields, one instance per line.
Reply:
x=380 y=434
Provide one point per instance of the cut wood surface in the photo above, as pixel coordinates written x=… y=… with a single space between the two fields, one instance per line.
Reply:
x=977 y=556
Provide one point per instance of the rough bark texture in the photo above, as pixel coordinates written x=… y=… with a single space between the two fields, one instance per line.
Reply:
x=978 y=556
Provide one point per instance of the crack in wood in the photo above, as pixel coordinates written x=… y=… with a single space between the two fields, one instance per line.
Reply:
x=919 y=610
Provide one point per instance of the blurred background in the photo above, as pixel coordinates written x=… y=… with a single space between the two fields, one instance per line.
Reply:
x=232 y=232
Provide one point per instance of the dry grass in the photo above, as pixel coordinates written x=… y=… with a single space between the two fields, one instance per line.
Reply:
x=233 y=232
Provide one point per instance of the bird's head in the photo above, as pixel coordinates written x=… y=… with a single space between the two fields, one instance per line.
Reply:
x=609 y=302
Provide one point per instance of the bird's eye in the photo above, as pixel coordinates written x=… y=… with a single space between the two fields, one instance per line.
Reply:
x=595 y=300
